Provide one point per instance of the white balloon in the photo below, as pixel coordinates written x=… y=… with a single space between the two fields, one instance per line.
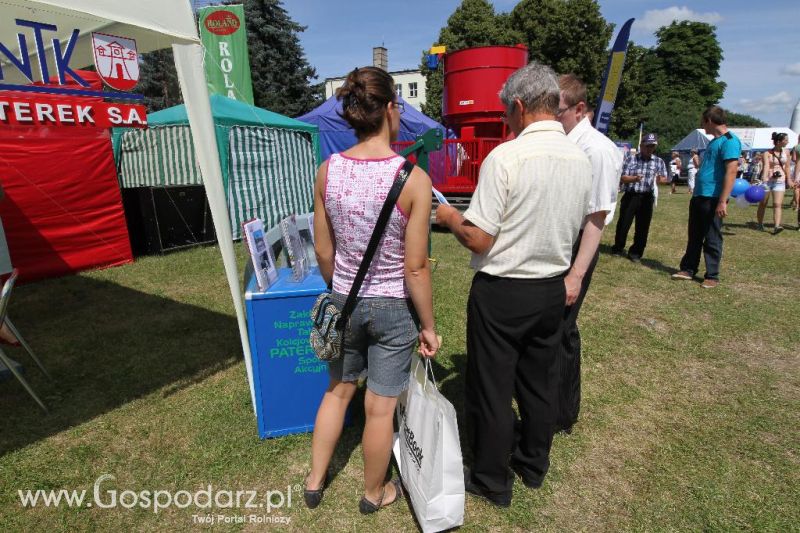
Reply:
x=741 y=201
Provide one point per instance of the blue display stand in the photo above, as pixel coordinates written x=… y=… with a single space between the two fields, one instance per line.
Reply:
x=289 y=379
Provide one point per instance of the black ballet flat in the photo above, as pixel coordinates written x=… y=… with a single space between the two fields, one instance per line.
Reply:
x=367 y=507
x=314 y=497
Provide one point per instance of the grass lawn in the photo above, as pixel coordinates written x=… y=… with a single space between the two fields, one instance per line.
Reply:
x=690 y=415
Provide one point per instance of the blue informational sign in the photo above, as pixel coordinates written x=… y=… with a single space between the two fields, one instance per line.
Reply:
x=289 y=379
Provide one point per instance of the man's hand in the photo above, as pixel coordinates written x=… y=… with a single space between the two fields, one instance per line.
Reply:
x=444 y=213
x=722 y=209
x=573 y=285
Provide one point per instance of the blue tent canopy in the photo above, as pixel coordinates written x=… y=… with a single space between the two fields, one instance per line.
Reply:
x=336 y=135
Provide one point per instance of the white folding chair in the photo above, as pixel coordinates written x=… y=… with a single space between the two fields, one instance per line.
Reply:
x=5 y=296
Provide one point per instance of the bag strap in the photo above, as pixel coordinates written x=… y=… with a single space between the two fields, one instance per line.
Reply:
x=377 y=234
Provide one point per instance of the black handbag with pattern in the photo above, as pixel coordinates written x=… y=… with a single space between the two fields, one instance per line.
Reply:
x=329 y=323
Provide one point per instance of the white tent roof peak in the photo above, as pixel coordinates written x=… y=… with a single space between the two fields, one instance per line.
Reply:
x=153 y=24
x=177 y=21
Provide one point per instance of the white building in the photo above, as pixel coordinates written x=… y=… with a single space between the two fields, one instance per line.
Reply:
x=409 y=84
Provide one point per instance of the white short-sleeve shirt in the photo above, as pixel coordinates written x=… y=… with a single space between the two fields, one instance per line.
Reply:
x=533 y=193
x=606 y=159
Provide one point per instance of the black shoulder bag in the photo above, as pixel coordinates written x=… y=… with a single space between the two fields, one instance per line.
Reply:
x=329 y=323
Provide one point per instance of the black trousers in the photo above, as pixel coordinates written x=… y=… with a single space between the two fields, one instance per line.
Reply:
x=514 y=328
x=634 y=206
x=569 y=357
x=705 y=233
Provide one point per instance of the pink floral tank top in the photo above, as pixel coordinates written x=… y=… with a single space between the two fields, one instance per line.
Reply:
x=355 y=190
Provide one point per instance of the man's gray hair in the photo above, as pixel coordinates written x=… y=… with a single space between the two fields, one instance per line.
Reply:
x=536 y=86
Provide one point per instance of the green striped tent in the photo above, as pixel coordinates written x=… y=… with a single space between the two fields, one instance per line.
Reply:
x=158 y=156
x=268 y=160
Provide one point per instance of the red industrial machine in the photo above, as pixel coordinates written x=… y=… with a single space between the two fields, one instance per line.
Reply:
x=472 y=109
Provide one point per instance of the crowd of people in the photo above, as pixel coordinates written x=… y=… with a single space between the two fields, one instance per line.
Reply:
x=533 y=226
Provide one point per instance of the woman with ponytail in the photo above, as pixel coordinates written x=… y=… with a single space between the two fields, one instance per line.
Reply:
x=394 y=309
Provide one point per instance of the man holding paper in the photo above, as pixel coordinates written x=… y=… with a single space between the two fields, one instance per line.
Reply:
x=532 y=196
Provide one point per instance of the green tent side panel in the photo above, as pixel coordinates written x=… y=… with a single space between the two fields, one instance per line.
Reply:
x=272 y=173
x=158 y=157
x=140 y=162
x=223 y=147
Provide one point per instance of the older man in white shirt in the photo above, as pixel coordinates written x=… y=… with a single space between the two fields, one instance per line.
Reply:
x=523 y=220
x=606 y=161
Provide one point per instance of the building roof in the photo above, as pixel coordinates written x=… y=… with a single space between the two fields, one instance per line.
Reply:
x=392 y=73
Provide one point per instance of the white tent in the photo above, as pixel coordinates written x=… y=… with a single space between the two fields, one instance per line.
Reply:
x=755 y=139
x=154 y=24
x=760 y=139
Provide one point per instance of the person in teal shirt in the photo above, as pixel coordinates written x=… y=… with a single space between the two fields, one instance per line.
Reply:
x=709 y=204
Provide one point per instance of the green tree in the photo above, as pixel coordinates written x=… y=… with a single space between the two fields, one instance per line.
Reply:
x=629 y=108
x=740 y=120
x=672 y=118
x=569 y=35
x=668 y=86
x=158 y=80
x=473 y=23
x=282 y=77
x=686 y=64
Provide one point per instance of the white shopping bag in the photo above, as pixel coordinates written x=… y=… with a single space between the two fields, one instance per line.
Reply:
x=428 y=452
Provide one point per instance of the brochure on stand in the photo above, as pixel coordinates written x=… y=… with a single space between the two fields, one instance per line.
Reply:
x=295 y=247
x=260 y=253
x=311 y=226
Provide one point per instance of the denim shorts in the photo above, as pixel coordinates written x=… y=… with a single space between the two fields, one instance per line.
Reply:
x=774 y=186
x=378 y=344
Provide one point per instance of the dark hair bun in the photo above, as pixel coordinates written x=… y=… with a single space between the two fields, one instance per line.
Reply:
x=364 y=96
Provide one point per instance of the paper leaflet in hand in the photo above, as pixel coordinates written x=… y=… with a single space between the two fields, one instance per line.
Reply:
x=440 y=197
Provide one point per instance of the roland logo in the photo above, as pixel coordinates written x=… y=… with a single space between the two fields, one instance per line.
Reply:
x=414 y=449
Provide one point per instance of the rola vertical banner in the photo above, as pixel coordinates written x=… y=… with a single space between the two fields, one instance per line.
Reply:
x=224 y=36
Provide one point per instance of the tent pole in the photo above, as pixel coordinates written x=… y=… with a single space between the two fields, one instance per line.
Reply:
x=189 y=65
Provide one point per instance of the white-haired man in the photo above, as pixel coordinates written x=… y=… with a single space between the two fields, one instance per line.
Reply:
x=522 y=222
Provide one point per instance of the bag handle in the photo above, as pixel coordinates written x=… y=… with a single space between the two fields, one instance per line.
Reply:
x=428 y=370
x=377 y=234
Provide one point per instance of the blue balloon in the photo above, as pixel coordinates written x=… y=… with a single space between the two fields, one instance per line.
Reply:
x=739 y=187
x=754 y=194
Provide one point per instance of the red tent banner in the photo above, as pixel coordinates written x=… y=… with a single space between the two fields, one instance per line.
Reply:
x=62 y=211
x=46 y=110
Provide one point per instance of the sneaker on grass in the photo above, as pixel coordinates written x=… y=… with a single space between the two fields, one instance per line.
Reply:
x=682 y=275
x=709 y=283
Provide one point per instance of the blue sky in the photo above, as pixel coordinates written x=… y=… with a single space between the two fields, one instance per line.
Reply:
x=760 y=41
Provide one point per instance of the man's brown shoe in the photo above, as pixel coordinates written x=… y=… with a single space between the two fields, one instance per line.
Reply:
x=682 y=275
x=709 y=283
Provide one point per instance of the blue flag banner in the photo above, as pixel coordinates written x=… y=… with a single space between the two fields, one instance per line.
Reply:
x=612 y=79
